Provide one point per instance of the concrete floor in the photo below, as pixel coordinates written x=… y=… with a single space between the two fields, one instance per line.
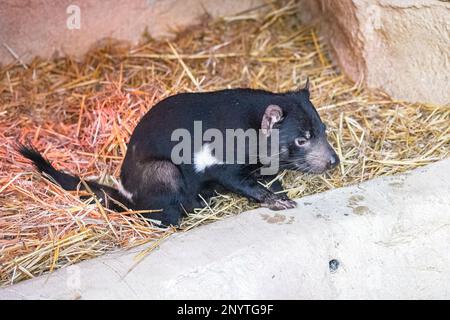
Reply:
x=382 y=239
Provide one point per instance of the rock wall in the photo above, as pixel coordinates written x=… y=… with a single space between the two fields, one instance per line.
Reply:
x=399 y=46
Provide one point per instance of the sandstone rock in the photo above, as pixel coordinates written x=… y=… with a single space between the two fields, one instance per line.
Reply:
x=399 y=46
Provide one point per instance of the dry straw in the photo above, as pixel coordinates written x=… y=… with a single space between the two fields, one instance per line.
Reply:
x=80 y=114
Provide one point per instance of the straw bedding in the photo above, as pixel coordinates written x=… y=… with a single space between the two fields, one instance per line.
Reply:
x=81 y=114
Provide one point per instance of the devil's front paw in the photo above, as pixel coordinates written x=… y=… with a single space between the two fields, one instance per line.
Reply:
x=279 y=203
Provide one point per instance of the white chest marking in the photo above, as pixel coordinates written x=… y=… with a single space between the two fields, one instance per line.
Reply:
x=204 y=159
x=124 y=192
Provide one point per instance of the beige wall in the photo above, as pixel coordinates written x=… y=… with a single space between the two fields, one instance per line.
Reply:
x=39 y=27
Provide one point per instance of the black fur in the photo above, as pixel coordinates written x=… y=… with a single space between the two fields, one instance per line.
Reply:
x=157 y=183
x=107 y=195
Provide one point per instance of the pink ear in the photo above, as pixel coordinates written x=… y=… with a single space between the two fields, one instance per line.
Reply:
x=272 y=115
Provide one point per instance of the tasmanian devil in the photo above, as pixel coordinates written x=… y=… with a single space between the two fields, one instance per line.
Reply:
x=160 y=172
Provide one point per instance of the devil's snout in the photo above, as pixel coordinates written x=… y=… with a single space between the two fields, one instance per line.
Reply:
x=333 y=161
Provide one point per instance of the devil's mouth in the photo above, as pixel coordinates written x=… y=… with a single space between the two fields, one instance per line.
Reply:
x=304 y=167
x=309 y=169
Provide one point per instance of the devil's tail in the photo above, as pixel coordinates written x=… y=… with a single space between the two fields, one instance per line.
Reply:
x=108 y=196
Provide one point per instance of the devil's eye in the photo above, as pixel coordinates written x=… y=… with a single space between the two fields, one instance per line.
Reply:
x=300 y=141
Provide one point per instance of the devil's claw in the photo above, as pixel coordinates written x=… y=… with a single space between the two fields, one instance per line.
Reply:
x=280 y=204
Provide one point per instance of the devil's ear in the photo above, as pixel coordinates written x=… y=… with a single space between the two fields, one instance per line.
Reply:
x=303 y=91
x=272 y=115
x=306 y=87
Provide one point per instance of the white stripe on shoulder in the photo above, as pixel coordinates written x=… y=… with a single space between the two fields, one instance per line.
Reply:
x=124 y=192
x=204 y=159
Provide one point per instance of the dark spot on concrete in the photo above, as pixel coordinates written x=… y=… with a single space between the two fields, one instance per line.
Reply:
x=361 y=210
x=396 y=184
x=355 y=200
x=307 y=203
x=277 y=218
x=325 y=217
x=333 y=265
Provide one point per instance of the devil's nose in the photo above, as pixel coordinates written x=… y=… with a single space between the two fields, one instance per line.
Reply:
x=333 y=162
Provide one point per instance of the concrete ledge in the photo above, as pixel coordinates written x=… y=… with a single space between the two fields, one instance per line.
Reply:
x=390 y=238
